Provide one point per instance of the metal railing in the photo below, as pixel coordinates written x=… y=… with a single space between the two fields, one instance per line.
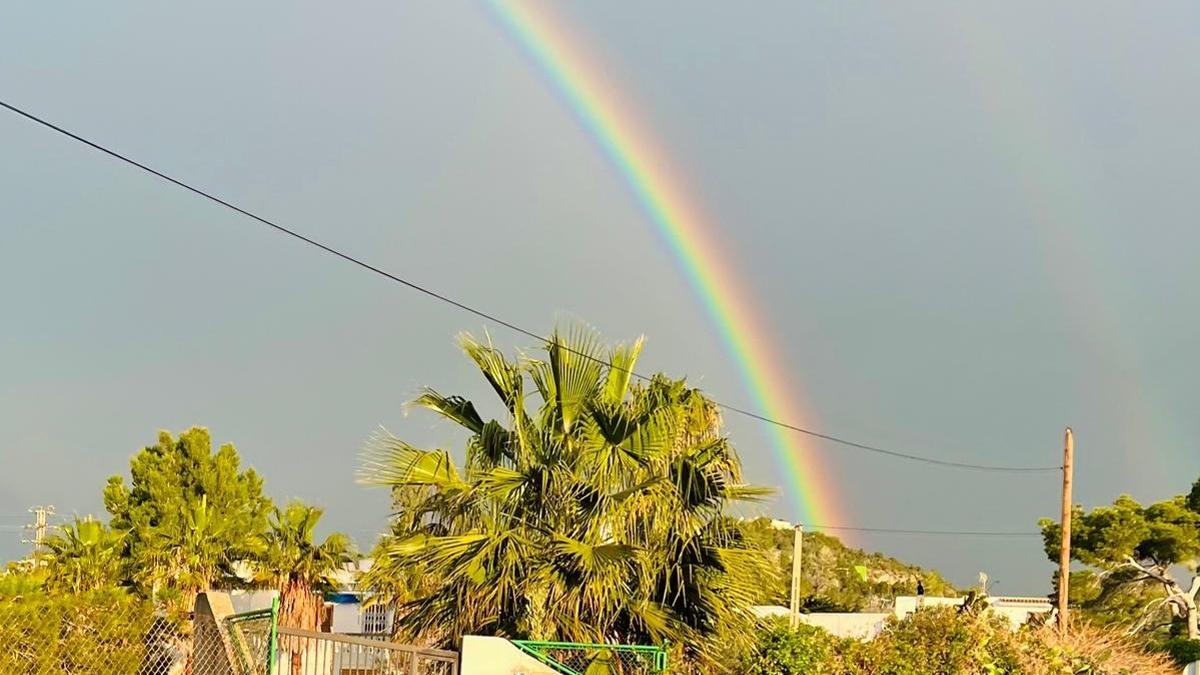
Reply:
x=573 y=658
x=253 y=639
x=304 y=652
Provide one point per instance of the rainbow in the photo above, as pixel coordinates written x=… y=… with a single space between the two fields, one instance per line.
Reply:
x=605 y=115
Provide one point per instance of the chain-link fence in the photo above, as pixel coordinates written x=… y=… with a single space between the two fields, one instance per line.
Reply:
x=115 y=633
x=253 y=640
x=590 y=659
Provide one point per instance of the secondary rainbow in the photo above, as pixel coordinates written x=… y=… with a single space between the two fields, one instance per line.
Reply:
x=603 y=112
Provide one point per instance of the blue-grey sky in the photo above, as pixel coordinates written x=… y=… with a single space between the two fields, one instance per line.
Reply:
x=969 y=225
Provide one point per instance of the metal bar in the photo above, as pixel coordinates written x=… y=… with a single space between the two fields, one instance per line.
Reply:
x=587 y=645
x=365 y=642
x=273 y=641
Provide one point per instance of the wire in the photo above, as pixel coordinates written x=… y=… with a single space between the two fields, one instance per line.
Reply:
x=892 y=453
x=955 y=533
x=511 y=326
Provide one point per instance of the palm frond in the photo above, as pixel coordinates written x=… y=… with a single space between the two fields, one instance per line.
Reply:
x=576 y=366
x=389 y=462
x=623 y=359
x=454 y=408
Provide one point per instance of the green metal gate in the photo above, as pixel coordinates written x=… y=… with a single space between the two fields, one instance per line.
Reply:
x=254 y=637
x=573 y=658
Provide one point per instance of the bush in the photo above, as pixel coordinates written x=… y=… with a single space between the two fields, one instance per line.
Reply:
x=93 y=634
x=1182 y=650
x=780 y=650
x=935 y=641
x=1092 y=650
x=947 y=641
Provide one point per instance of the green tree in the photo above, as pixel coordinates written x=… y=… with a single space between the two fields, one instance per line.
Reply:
x=301 y=569
x=779 y=650
x=298 y=566
x=189 y=515
x=85 y=556
x=1134 y=552
x=599 y=516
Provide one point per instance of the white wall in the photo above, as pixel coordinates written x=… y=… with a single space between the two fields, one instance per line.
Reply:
x=1016 y=610
x=250 y=601
x=347 y=618
x=857 y=626
x=497 y=656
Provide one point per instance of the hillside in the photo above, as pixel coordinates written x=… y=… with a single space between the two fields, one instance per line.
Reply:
x=833 y=574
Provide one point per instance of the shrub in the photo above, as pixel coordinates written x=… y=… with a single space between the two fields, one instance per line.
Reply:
x=934 y=641
x=1182 y=650
x=93 y=634
x=949 y=641
x=1089 y=649
x=780 y=650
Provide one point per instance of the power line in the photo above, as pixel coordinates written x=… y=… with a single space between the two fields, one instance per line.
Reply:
x=892 y=453
x=954 y=533
x=511 y=326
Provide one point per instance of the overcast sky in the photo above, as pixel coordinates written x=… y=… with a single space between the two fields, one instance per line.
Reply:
x=971 y=226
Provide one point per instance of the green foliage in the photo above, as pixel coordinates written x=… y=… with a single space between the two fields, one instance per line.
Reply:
x=597 y=517
x=19 y=580
x=831 y=581
x=64 y=633
x=188 y=514
x=936 y=640
x=951 y=641
x=293 y=554
x=781 y=651
x=85 y=556
x=1132 y=552
x=300 y=567
x=1182 y=650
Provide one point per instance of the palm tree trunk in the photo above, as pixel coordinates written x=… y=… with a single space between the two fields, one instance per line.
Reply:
x=300 y=607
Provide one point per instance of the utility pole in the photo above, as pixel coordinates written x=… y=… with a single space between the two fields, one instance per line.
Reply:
x=1064 y=553
x=41 y=519
x=797 y=567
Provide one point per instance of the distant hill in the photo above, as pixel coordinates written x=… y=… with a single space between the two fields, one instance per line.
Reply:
x=833 y=574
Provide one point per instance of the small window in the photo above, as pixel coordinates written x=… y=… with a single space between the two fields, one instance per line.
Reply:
x=375 y=619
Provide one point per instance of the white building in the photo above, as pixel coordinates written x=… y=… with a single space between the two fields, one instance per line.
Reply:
x=865 y=625
x=348 y=615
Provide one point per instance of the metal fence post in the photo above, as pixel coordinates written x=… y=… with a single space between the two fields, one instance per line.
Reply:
x=273 y=649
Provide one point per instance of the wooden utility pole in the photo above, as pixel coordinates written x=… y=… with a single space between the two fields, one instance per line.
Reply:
x=797 y=556
x=1064 y=553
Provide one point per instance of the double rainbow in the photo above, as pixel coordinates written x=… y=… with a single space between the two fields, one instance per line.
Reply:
x=603 y=112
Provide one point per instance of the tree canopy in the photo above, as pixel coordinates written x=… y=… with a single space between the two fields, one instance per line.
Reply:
x=300 y=567
x=1133 y=552
x=188 y=514
x=599 y=515
x=85 y=556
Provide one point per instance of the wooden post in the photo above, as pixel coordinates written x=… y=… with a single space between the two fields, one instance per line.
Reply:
x=1064 y=555
x=797 y=566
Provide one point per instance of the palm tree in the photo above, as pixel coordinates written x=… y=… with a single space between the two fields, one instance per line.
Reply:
x=85 y=556
x=193 y=553
x=299 y=567
x=600 y=516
